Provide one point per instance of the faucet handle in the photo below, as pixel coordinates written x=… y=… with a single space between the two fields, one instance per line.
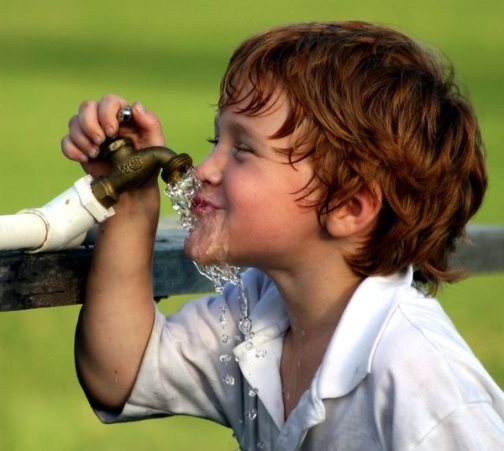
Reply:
x=113 y=144
x=125 y=115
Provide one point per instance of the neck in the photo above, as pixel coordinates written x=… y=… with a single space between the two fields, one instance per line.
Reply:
x=315 y=298
x=315 y=301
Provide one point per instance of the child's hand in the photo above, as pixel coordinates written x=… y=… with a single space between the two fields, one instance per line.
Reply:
x=97 y=120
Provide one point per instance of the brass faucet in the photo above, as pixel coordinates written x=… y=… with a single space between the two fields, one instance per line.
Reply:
x=132 y=168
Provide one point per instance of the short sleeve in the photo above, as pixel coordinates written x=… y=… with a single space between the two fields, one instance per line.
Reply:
x=471 y=427
x=182 y=371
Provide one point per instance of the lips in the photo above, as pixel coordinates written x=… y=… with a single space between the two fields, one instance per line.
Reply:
x=202 y=205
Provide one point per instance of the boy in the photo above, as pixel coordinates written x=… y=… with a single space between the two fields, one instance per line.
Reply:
x=345 y=166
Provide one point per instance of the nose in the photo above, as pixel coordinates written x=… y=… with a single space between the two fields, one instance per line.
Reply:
x=210 y=170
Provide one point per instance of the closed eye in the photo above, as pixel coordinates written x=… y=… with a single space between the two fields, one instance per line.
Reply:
x=244 y=148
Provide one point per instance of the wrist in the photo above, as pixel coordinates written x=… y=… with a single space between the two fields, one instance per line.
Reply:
x=137 y=211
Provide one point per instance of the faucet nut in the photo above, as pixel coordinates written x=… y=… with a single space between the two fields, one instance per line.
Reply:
x=105 y=192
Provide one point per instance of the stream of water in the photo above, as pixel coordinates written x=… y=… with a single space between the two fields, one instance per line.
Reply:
x=181 y=194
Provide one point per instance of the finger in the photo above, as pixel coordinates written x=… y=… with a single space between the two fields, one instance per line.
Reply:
x=71 y=151
x=108 y=108
x=81 y=139
x=89 y=122
x=96 y=168
x=148 y=124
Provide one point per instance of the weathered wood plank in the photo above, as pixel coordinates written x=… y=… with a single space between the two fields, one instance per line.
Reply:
x=55 y=279
x=58 y=278
x=483 y=252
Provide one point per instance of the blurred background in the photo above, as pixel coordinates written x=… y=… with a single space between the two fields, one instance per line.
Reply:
x=170 y=55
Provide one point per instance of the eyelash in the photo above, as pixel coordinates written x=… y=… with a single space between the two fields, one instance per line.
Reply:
x=239 y=148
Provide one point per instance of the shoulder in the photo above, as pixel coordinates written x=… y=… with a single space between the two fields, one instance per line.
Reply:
x=423 y=372
x=419 y=345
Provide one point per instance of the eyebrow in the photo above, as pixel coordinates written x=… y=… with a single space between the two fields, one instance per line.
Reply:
x=237 y=127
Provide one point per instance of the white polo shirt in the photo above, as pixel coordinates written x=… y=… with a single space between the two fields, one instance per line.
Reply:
x=395 y=376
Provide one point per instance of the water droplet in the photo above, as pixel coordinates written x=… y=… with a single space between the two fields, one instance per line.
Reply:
x=253 y=392
x=225 y=338
x=222 y=316
x=238 y=339
x=245 y=326
x=237 y=359
x=228 y=379
x=225 y=358
x=261 y=444
x=249 y=345
x=251 y=414
x=260 y=352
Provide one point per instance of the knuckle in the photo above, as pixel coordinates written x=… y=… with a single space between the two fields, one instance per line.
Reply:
x=63 y=143
x=86 y=105
x=111 y=98
x=71 y=122
x=66 y=146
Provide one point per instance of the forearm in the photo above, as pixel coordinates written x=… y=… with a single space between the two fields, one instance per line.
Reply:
x=117 y=317
x=118 y=313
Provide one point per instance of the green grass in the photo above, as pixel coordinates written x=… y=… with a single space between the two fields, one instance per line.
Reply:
x=170 y=55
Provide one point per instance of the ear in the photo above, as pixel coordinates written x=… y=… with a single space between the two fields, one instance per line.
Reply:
x=357 y=217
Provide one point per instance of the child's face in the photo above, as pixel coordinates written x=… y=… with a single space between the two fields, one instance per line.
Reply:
x=246 y=212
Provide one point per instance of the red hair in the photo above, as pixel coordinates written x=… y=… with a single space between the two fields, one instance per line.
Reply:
x=372 y=107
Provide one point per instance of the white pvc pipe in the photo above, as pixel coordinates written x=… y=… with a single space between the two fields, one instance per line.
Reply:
x=60 y=224
x=22 y=231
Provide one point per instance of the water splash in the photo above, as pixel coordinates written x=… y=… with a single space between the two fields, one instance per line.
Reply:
x=220 y=275
x=181 y=194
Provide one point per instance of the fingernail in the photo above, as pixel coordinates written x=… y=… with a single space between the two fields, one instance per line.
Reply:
x=110 y=131
x=93 y=153
x=98 y=139
x=83 y=158
x=139 y=107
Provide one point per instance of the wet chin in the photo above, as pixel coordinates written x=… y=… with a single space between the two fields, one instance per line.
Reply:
x=207 y=245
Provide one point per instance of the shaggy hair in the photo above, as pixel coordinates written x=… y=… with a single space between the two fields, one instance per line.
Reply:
x=372 y=107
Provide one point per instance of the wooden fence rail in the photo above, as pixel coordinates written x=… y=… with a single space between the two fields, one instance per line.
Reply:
x=58 y=278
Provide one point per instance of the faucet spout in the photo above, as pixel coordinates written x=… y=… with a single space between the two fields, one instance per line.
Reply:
x=132 y=168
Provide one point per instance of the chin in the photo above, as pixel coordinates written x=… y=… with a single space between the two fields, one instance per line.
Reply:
x=204 y=255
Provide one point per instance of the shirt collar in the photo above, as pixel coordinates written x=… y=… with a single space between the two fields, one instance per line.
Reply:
x=349 y=356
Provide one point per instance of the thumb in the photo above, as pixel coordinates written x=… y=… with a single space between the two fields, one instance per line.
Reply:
x=148 y=124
